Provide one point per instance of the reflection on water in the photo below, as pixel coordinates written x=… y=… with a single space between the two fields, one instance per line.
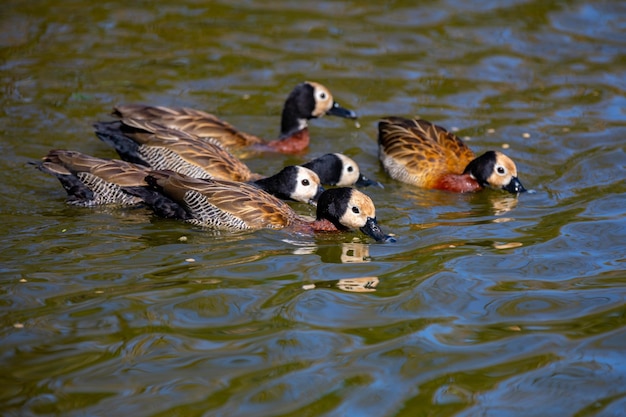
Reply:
x=361 y=284
x=503 y=205
x=352 y=252
x=488 y=304
x=343 y=252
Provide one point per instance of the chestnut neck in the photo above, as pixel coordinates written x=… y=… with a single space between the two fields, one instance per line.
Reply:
x=309 y=227
x=323 y=225
x=295 y=143
x=457 y=183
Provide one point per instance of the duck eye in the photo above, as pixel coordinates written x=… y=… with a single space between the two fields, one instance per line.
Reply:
x=305 y=182
x=500 y=170
x=355 y=210
x=350 y=169
x=322 y=95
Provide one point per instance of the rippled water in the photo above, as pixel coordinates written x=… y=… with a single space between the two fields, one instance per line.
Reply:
x=487 y=305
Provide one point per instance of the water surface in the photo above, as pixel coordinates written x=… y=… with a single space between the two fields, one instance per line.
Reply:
x=487 y=305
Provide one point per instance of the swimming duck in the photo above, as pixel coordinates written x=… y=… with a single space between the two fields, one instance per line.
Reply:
x=91 y=181
x=146 y=143
x=308 y=100
x=339 y=170
x=418 y=152
x=228 y=205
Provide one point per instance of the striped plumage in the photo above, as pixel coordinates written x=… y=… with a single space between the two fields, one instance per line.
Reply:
x=227 y=205
x=91 y=181
x=146 y=143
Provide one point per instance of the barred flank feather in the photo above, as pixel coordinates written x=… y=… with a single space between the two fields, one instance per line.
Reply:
x=104 y=192
x=208 y=215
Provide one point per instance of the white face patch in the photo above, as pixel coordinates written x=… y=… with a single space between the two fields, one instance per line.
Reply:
x=323 y=99
x=360 y=208
x=349 y=171
x=307 y=185
x=500 y=170
x=504 y=170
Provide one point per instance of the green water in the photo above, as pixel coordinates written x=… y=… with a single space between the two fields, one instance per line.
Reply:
x=488 y=305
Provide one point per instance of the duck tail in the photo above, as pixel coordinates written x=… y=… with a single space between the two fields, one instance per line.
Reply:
x=78 y=193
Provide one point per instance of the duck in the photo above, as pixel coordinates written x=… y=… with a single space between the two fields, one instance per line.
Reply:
x=91 y=181
x=235 y=206
x=146 y=143
x=308 y=100
x=337 y=169
x=418 y=152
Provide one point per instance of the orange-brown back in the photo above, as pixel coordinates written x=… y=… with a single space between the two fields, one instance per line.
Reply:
x=419 y=152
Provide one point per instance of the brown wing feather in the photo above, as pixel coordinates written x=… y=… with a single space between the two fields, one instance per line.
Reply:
x=114 y=171
x=419 y=152
x=208 y=158
x=231 y=204
x=196 y=122
x=91 y=181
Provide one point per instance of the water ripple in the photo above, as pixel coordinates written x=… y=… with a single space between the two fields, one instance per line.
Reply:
x=488 y=304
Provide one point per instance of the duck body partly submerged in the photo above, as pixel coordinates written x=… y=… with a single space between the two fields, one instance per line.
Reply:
x=418 y=152
x=227 y=205
x=308 y=100
x=91 y=181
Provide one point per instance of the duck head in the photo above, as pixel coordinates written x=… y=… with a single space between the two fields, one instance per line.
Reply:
x=293 y=183
x=339 y=170
x=348 y=208
x=495 y=169
x=310 y=100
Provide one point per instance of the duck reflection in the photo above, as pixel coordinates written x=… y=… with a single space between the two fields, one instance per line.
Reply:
x=502 y=204
x=345 y=253
x=490 y=202
x=487 y=207
x=360 y=284
x=354 y=253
